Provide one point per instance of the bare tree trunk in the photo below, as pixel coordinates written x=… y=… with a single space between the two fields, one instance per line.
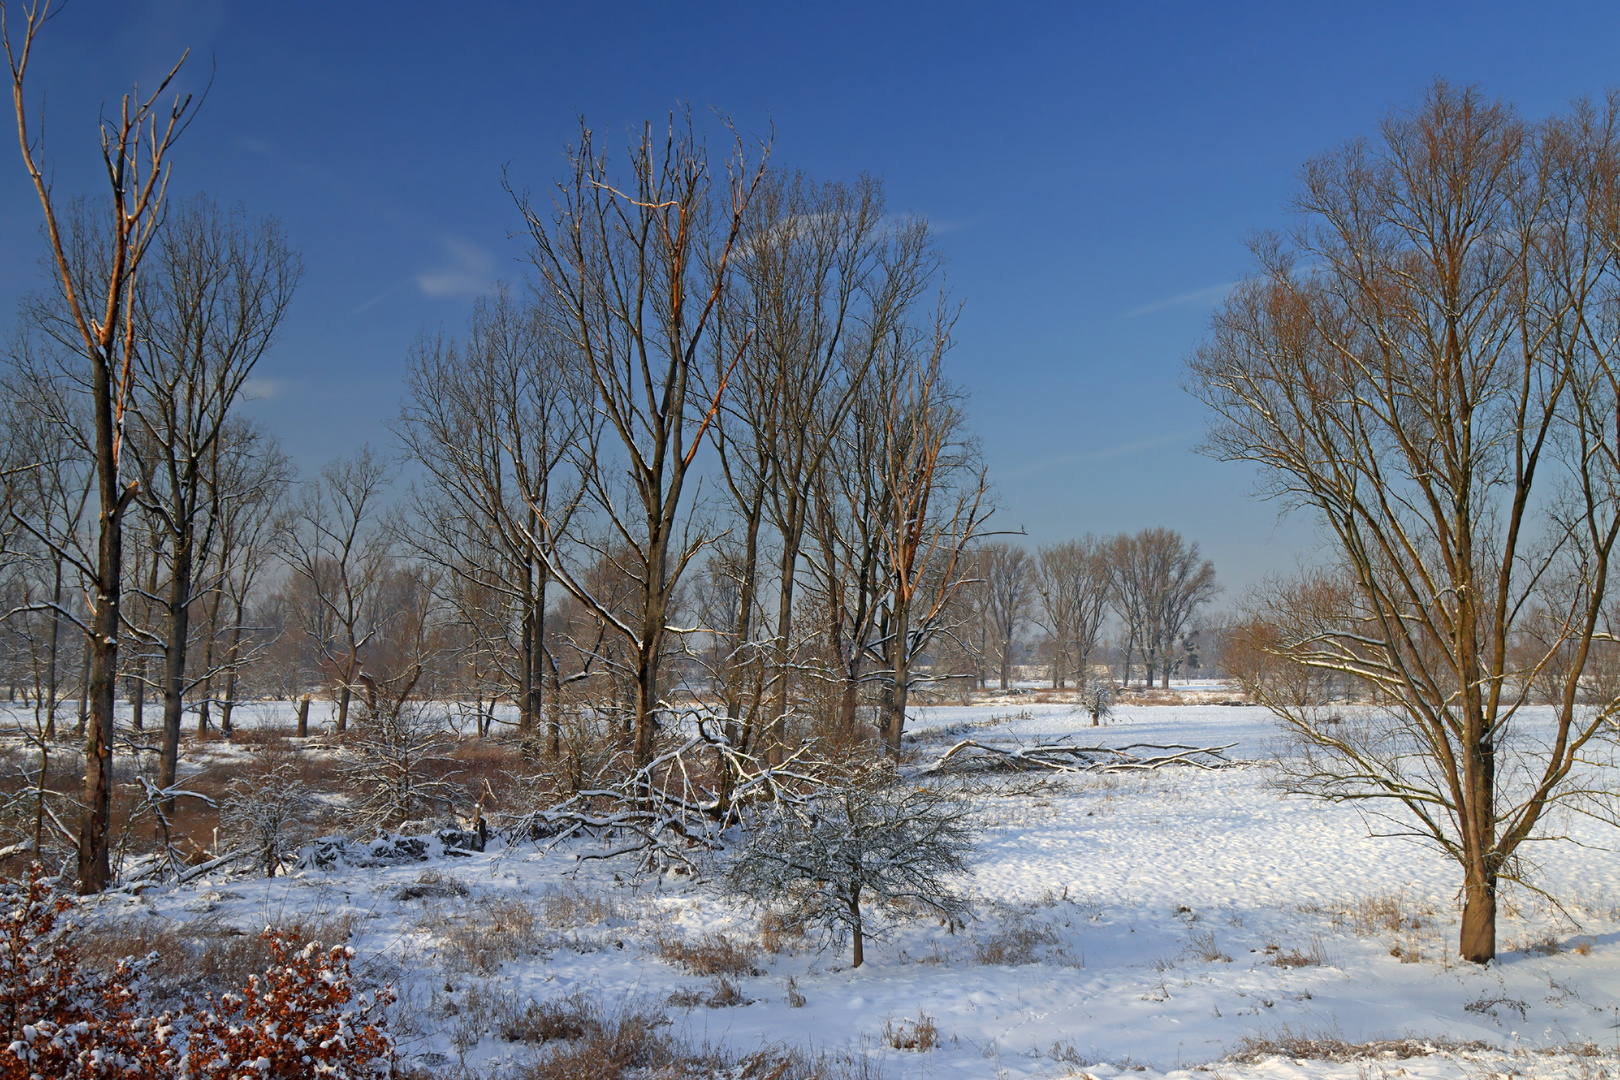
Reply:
x=84 y=689
x=855 y=930
x=303 y=717
x=899 y=688
x=229 y=704
x=174 y=664
x=51 y=689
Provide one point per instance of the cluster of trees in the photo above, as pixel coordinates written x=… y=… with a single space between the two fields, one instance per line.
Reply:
x=1130 y=601
x=710 y=446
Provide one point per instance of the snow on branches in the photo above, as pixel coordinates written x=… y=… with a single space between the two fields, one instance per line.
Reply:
x=874 y=837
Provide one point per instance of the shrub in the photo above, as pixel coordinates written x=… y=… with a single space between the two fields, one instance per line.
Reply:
x=871 y=837
x=711 y=954
x=295 y=1021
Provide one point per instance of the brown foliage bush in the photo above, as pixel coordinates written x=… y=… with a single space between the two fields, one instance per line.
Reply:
x=299 y=1019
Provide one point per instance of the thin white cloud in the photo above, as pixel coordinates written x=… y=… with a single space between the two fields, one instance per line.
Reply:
x=257 y=389
x=1206 y=297
x=470 y=271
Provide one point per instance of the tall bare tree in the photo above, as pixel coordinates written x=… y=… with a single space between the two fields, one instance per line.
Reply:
x=934 y=496
x=1160 y=581
x=205 y=313
x=340 y=553
x=1072 y=581
x=1009 y=587
x=493 y=421
x=823 y=277
x=96 y=274
x=1427 y=363
x=632 y=266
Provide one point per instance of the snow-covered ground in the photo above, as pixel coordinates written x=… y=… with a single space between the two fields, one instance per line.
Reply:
x=1167 y=917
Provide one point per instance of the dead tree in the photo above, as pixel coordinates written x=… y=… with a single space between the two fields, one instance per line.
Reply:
x=96 y=275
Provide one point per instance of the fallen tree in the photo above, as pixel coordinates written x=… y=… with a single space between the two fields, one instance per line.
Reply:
x=681 y=801
x=972 y=756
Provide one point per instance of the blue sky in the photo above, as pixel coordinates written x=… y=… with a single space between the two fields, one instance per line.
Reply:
x=1093 y=170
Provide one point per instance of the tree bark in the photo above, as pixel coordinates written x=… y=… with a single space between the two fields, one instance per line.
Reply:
x=855 y=930
x=303 y=717
x=174 y=663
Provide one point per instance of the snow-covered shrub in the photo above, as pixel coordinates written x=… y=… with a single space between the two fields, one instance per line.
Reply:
x=301 y=1018
x=59 y=1020
x=401 y=764
x=870 y=838
x=1097 y=698
x=268 y=811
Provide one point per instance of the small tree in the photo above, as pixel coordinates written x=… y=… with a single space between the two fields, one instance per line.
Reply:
x=1097 y=698
x=401 y=765
x=874 y=838
x=268 y=811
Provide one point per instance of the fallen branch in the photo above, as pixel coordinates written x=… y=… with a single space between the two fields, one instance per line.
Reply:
x=972 y=756
x=673 y=805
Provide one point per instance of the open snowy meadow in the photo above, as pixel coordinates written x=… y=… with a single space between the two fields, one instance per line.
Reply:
x=1148 y=923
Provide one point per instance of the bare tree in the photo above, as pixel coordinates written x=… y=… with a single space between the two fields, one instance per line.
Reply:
x=339 y=551
x=96 y=275
x=823 y=278
x=1073 y=582
x=493 y=421
x=632 y=268
x=1008 y=589
x=1427 y=363
x=1160 y=582
x=932 y=491
x=252 y=524
x=204 y=316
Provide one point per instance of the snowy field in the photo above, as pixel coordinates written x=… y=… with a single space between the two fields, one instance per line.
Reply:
x=1126 y=925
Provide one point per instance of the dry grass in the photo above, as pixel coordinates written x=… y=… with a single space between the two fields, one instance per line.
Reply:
x=567 y=907
x=711 y=954
x=485 y=935
x=204 y=954
x=1291 y=1044
x=1015 y=944
x=723 y=994
x=1201 y=944
x=920 y=1035
x=779 y=933
x=1315 y=956
x=1389 y=912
